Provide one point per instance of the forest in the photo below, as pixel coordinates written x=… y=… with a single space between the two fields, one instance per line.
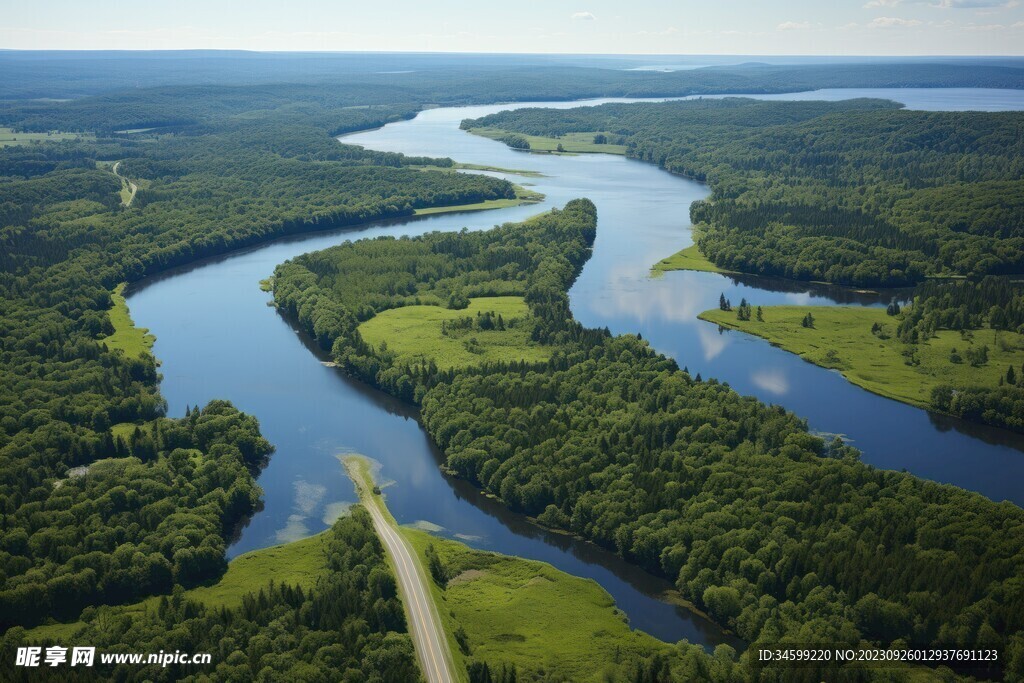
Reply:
x=103 y=499
x=776 y=533
x=350 y=627
x=858 y=192
x=994 y=303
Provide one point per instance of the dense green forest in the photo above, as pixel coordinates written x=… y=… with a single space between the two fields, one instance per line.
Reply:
x=153 y=514
x=776 y=533
x=537 y=260
x=94 y=512
x=856 y=192
x=348 y=627
x=105 y=500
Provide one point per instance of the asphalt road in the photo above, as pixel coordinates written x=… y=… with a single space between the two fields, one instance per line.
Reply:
x=425 y=626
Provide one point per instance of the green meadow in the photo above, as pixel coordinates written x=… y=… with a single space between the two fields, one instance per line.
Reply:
x=8 y=137
x=842 y=339
x=687 y=259
x=572 y=143
x=297 y=563
x=134 y=341
x=551 y=625
x=523 y=196
x=415 y=333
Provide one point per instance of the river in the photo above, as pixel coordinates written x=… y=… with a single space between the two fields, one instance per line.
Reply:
x=217 y=337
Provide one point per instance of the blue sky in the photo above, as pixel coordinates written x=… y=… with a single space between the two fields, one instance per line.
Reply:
x=843 y=27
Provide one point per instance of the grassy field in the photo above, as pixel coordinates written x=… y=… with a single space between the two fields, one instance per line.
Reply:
x=298 y=563
x=9 y=138
x=687 y=259
x=842 y=339
x=523 y=196
x=414 y=333
x=498 y=169
x=134 y=341
x=572 y=143
x=551 y=625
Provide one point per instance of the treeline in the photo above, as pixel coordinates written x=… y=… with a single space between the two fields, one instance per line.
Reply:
x=855 y=193
x=994 y=303
x=778 y=535
x=132 y=517
x=348 y=627
x=153 y=513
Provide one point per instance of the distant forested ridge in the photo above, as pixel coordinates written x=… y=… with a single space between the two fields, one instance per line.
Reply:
x=349 y=627
x=856 y=192
x=776 y=533
x=450 y=78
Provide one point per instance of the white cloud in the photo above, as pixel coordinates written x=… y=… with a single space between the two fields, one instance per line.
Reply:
x=794 y=26
x=881 y=3
x=583 y=16
x=892 y=22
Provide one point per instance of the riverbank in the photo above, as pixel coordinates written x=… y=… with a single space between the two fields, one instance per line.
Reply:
x=843 y=339
x=134 y=341
x=523 y=196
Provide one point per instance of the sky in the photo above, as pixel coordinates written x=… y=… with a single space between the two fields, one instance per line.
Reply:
x=746 y=27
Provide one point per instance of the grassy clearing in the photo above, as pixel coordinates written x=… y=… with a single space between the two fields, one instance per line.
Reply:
x=523 y=196
x=842 y=339
x=134 y=341
x=498 y=169
x=551 y=625
x=10 y=138
x=415 y=333
x=126 y=429
x=687 y=259
x=572 y=143
x=299 y=563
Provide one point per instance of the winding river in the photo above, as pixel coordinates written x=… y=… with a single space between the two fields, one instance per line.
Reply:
x=217 y=337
